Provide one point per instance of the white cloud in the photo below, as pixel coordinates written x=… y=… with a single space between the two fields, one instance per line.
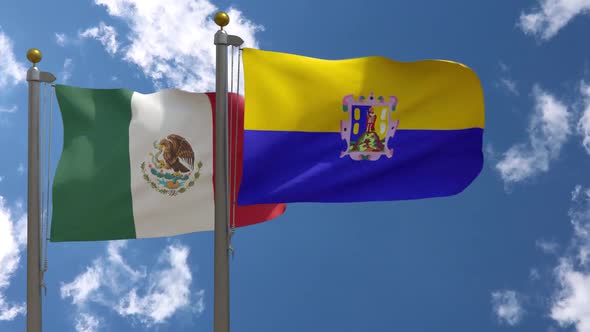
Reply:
x=84 y=285
x=114 y=256
x=11 y=71
x=105 y=34
x=509 y=85
x=66 y=73
x=504 y=67
x=166 y=293
x=584 y=122
x=61 y=39
x=6 y=110
x=21 y=169
x=505 y=82
x=110 y=272
x=548 y=247
x=507 y=307
x=580 y=219
x=87 y=323
x=552 y=15
x=186 y=61
x=151 y=298
x=490 y=151
x=571 y=304
x=10 y=109
x=548 y=130
x=12 y=242
x=576 y=192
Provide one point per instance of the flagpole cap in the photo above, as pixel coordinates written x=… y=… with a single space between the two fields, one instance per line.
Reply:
x=221 y=19
x=34 y=55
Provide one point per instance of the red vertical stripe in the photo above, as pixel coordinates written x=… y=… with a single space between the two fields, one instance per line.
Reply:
x=249 y=214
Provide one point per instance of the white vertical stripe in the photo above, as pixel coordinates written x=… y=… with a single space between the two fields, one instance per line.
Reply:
x=154 y=117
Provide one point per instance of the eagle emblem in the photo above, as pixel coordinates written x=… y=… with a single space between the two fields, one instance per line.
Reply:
x=369 y=127
x=170 y=170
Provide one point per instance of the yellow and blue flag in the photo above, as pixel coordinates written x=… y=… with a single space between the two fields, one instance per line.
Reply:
x=365 y=129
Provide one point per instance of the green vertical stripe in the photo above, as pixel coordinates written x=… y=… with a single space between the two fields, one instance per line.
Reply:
x=92 y=184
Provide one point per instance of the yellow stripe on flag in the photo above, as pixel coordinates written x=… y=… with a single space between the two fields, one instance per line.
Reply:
x=286 y=92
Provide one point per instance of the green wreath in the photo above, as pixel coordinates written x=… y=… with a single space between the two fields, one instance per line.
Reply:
x=172 y=192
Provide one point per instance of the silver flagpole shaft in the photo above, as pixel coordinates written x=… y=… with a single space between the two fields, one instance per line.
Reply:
x=34 y=77
x=221 y=260
x=33 y=201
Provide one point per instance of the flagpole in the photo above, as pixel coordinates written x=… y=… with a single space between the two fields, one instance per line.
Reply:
x=221 y=247
x=35 y=77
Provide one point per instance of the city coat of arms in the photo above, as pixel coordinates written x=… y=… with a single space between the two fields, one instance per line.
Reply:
x=170 y=170
x=369 y=127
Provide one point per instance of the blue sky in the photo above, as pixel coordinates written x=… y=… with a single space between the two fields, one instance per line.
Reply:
x=511 y=253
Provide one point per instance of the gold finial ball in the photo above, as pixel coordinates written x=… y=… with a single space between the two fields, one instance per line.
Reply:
x=221 y=19
x=34 y=55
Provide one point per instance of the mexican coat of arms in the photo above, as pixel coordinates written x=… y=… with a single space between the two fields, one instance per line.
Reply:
x=170 y=170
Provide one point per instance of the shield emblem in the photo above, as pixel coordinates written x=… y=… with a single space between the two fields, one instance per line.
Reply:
x=369 y=127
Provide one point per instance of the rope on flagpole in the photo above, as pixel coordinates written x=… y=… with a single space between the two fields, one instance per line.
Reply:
x=236 y=135
x=234 y=111
x=47 y=210
x=42 y=143
x=231 y=147
x=45 y=142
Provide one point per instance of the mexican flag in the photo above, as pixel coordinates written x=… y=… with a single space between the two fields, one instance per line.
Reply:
x=139 y=165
